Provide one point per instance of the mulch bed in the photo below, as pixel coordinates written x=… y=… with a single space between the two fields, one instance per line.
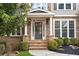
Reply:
x=68 y=50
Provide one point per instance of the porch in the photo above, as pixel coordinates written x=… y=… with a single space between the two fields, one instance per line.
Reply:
x=39 y=29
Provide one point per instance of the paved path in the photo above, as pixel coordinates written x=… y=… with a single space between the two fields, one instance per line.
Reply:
x=48 y=53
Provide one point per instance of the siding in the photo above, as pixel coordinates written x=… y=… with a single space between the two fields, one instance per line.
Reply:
x=77 y=27
x=66 y=12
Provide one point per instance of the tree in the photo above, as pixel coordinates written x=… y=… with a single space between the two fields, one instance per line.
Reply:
x=12 y=16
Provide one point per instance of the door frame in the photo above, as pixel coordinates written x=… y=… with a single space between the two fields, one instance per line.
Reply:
x=35 y=30
x=43 y=20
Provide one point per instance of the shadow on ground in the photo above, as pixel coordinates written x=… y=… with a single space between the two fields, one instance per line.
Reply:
x=68 y=50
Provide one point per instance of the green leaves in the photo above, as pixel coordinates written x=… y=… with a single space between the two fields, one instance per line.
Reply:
x=12 y=16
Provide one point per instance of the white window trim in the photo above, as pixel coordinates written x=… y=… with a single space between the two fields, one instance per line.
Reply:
x=64 y=6
x=67 y=27
x=75 y=28
x=60 y=28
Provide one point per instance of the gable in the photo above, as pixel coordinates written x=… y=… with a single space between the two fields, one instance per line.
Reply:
x=38 y=11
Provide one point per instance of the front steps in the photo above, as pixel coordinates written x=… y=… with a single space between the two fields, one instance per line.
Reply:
x=38 y=45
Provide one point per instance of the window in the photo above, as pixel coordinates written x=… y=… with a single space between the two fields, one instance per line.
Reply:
x=64 y=6
x=57 y=28
x=68 y=6
x=61 y=6
x=74 y=6
x=39 y=6
x=64 y=28
x=71 y=28
x=55 y=6
x=18 y=31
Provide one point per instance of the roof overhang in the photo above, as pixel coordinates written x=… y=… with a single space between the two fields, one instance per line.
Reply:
x=44 y=13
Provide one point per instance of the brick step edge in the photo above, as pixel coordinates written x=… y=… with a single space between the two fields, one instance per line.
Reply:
x=35 y=48
x=35 y=45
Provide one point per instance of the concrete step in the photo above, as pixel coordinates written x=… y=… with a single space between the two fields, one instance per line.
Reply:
x=36 y=48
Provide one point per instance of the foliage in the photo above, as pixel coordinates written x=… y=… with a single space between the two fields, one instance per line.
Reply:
x=2 y=47
x=24 y=46
x=24 y=53
x=52 y=45
x=12 y=16
x=74 y=41
x=59 y=41
x=66 y=41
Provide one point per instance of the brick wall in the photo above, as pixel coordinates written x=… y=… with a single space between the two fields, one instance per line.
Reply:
x=12 y=42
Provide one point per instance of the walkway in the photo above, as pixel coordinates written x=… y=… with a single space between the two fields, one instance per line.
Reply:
x=47 y=53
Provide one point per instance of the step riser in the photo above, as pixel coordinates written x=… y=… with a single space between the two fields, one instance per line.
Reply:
x=37 y=48
x=37 y=42
x=37 y=45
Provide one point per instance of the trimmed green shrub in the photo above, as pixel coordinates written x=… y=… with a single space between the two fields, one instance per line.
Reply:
x=66 y=41
x=52 y=45
x=23 y=46
x=60 y=38
x=2 y=47
x=77 y=42
x=59 y=41
x=74 y=41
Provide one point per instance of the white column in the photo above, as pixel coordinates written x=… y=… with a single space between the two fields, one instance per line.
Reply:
x=32 y=33
x=51 y=26
x=20 y=30
x=25 y=33
x=25 y=29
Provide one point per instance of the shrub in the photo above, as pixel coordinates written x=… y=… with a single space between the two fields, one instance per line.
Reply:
x=52 y=45
x=24 y=46
x=59 y=41
x=74 y=41
x=66 y=41
x=77 y=44
x=2 y=47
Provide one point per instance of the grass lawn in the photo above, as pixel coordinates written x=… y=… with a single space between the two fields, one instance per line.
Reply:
x=24 y=53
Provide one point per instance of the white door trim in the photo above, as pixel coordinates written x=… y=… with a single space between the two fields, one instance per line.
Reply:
x=33 y=30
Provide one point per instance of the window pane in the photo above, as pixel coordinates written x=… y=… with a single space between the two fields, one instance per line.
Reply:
x=57 y=28
x=44 y=6
x=13 y=33
x=18 y=31
x=68 y=6
x=55 y=6
x=61 y=6
x=71 y=28
x=64 y=28
x=39 y=6
x=74 y=6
